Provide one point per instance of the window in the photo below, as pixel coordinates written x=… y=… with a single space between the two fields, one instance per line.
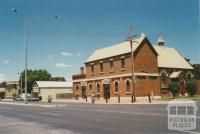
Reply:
x=101 y=67
x=128 y=86
x=111 y=65
x=98 y=88
x=90 y=87
x=92 y=69
x=163 y=80
x=116 y=86
x=122 y=63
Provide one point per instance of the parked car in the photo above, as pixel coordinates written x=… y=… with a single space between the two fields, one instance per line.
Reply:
x=32 y=99
x=17 y=98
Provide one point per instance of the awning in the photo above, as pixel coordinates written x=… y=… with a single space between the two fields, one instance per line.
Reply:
x=175 y=74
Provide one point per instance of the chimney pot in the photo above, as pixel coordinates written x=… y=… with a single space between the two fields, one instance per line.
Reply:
x=82 y=70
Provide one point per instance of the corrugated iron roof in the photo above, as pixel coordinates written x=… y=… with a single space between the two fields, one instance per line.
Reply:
x=59 y=84
x=167 y=57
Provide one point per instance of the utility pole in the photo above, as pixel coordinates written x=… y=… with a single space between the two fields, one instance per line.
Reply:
x=25 y=30
x=131 y=39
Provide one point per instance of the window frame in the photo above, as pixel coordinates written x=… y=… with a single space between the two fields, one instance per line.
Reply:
x=123 y=63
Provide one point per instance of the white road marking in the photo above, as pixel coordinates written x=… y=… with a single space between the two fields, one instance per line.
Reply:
x=5 y=108
x=15 y=123
x=190 y=132
x=51 y=114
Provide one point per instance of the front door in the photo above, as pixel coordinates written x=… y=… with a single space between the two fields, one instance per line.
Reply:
x=83 y=91
x=106 y=89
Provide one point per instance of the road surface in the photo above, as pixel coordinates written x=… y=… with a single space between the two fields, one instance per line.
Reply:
x=73 y=118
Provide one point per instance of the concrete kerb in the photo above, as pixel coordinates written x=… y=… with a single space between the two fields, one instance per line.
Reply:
x=63 y=103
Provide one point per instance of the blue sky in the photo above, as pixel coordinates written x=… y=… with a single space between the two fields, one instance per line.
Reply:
x=61 y=46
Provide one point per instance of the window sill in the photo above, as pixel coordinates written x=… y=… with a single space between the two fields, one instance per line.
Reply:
x=101 y=72
x=123 y=69
x=116 y=93
x=98 y=93
x=111 y=71
x=128 y=92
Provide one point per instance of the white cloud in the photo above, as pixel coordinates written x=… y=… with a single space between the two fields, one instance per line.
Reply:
x=6 y=61
x=62 y=65
x=66 y=54
x=50 y=57
x=78 y=54
x=2 y=77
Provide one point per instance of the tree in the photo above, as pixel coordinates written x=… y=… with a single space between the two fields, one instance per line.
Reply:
x=191 y=88
x=34 y=75
x=3 y=84
x=174 y=88
x=59 y=79
x=196 y=71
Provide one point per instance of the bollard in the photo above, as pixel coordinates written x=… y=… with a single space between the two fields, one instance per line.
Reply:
x=118 y=98
x=86 y=98
x=106 y=99
x=149 y=97
x=132 y=100
x=93 y=99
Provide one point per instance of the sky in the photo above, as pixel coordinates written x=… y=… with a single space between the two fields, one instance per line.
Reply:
x=62 y=45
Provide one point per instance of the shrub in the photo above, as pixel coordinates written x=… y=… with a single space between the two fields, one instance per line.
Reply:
x=191 y=88
x=174 y=88
x=14 y=94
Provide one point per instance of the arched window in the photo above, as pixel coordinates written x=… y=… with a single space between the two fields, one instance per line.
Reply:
x=189 y=76
x=128 y=86
x=116 y=86
x=163 y=79
x=77 y=89
x=98 y=88
x=90 y=88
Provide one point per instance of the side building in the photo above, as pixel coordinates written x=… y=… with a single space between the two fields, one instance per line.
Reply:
x=108 y=70
x=12 y=89
x=54 y=89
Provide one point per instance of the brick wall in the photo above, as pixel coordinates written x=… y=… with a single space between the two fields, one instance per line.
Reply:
x=145 y=61
x=198 y=86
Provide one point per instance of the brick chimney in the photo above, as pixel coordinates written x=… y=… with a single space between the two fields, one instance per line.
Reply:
x=82 y=70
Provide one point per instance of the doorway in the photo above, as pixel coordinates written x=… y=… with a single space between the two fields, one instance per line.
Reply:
x=106 y=90
x=83 y=91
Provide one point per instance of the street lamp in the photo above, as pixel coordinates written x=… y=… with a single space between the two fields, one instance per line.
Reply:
x=20 y=81
x=26 y=19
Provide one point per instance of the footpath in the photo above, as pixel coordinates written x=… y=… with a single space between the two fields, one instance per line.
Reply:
x=63 y=102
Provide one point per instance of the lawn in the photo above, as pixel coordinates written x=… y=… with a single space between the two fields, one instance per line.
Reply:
x=169 y=98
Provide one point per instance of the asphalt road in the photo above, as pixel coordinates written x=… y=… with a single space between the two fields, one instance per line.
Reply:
x=71 y=118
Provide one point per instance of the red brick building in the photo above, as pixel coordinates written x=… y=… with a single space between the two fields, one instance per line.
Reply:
x=108 y=70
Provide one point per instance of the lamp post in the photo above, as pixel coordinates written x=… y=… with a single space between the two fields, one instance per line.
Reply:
x=26 y=19
x=20 y=80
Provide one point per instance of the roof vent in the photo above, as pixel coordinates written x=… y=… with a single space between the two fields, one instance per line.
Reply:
x=142 y=35
x=161 y=41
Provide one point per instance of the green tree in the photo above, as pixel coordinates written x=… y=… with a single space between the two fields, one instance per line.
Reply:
x=196 y=71
x=191 y=88
x=3 y=84
x=59 y=79
x=174 y=88
x=34 y=75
